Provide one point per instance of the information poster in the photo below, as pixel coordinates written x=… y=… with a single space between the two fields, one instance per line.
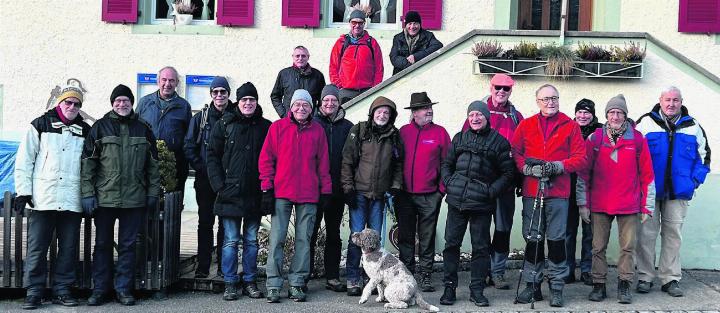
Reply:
x=197 y=90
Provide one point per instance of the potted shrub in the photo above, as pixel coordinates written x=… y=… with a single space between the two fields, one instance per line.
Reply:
x=590 y=57
x=183 y=12
x=630 y=59
x=560 y=60
x=528 y=58
x=489 y=53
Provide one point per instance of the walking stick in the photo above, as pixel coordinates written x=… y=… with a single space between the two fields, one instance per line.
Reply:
x=538 y=205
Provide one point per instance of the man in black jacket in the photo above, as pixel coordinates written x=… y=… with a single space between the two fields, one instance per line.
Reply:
x=477 y=169
x=413 y=44
x=298 y=76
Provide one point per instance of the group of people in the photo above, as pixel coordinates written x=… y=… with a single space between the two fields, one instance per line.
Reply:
x=313 y=161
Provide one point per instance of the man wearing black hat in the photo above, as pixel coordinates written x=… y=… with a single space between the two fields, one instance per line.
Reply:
x=119 y=180
x=418 y=205
x=413 y=44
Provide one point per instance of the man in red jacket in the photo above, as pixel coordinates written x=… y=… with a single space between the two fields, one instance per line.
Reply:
x=294 y=172
x=417 y=207
x=547 y=147
x=356 y=62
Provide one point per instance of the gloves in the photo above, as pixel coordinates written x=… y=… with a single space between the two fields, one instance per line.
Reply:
x=533 y=170
x=644 y=217
x=88 y=205
x=584 y=214
x=323 y=202
x=553 y=168
x=268 y=202
x=151 y=202
x=534 y=161
x=20 y=202
x=351 y=199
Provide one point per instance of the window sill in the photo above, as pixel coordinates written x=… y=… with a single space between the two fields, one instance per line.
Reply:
x=214 y=30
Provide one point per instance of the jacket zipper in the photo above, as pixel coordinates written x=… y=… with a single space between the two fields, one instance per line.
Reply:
x=412 y=167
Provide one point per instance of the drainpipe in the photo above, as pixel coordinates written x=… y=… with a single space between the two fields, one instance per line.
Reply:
x=563 y=20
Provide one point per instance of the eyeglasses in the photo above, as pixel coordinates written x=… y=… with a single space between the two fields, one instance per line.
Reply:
x=547 y=100
x=356 y=23
x=248 y=99
x=504 y=88
x=219 y=92
x=72 y=103
x=303 y=105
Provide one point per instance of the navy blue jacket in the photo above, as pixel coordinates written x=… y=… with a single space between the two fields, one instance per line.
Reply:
x=198 y=137
x=337 y=131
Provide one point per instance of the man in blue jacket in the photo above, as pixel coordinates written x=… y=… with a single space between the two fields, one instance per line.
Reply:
x=681 y=160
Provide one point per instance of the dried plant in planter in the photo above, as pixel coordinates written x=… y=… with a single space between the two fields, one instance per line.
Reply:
x=184 y=7
x=487 y=49
x=560 y=60
x=591 y=52
x=527 y=50
x=630 y=53
x=367 y=9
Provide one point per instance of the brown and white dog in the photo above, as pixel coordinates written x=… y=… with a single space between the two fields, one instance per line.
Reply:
x=393 y=281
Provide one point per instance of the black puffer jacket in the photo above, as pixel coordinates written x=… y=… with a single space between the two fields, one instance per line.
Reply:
x=291 y=79
x=198 y=137
x=400 y=50
x=232 y=162
x=337 y=131
x=477 y=169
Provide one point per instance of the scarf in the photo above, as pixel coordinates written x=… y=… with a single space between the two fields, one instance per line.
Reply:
x=614 y=134
x=669 y=121
x=62 y=117
x=307 y=70
x=411 y=40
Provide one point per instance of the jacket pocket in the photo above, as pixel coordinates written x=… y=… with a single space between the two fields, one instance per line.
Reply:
x=478 y=191
x=138 y=151
x=229 y=192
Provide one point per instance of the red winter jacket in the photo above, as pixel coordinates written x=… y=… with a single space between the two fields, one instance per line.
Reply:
x=564 y=143
x=294 y=161
x=358 y=68
x=620 y=178
x=425 y=149
x=501 y=119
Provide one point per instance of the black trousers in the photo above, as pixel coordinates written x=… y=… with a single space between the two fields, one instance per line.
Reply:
x=205 y=197
x=417 y=214
x=455 y=226
x=103 y=269
x=332 y=214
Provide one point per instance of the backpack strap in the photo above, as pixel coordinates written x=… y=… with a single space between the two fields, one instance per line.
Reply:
x=347 y=43
x=513 y=115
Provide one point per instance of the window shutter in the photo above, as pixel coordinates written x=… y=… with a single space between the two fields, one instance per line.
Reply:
x=236 y=12
x=120 y=11
x=430 y=12
x=301 y=13
x=699 y=16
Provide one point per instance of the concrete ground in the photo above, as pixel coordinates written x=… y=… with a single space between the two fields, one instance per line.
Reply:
x=702 y=293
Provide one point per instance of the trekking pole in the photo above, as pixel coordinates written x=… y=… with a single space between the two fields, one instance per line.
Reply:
x=529 y=237
x=539 y=236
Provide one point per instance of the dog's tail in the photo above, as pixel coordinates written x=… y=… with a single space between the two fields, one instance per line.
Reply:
x=424 y=305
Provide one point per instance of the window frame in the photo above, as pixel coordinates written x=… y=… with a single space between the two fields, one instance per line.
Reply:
x=329 y=8
x=169 y=21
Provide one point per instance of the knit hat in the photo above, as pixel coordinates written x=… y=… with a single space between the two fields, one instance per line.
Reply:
x=480 y=106
x=357 y=14
x=122 y=90
x=412 y=16
x=69 y=91
x=246 y=90
x=220 y=82
x=301 y=94
x=502 y=80
x=330 y=90
x=617 y=102
x=587 y=105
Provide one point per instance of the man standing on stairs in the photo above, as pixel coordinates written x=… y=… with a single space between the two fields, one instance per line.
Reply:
x=413 y=44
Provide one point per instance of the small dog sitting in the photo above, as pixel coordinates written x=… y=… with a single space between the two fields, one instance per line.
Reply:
x=394 y=282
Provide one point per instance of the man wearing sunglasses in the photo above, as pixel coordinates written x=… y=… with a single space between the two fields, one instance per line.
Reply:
x=47 y=178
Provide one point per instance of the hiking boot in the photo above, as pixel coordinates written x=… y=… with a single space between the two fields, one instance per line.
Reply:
x=530 y=293
x=644 y=286
x=477 y=297
x=31 y=302
x=201 y=274
x=65 y=300
x=335 y=285
x=586 y=278
x=556 y=298
x=125 y=298
x=570 y=278
x=426 y=282
x=599 y=293
x=672 y=288
x=500 y=282
x=273 y=295
x=251 y=290
x=623 y=291
x=354 y=289
x=231 y=293
x=296 y=294
x=97 y=298
x=448 y=297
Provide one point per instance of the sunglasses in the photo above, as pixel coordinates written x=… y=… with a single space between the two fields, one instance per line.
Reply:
x=73 y=103
x=355 y=23
x=219 y=92
x=504 y=88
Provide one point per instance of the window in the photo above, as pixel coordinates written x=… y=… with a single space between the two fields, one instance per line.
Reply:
x=545 y=14
x=204 y=14
x=384 y=14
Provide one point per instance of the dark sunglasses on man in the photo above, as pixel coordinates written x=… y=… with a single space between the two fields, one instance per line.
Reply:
x=504 y=88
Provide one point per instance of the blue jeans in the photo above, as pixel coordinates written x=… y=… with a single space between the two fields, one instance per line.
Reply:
x=250 y=226
x=305 y=214
x=368 y=213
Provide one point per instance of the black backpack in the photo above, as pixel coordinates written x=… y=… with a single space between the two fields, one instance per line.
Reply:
x=347 y=43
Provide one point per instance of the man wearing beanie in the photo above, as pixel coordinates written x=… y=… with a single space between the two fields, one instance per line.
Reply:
x=47 y=179
x=366 y=180
x=298 y=76
x=331 y=116
x=477 y=169
x=412 y=44
x=547 y=147
x=586 y=119
x=418 y=205
x=356 y=62
x=169 y=116
x=294 y=173
x=233 y=150
x=196 y=141
x=681 y=159
x=119 y=181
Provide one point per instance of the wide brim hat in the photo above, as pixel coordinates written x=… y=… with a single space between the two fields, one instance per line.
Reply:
x=419 y=100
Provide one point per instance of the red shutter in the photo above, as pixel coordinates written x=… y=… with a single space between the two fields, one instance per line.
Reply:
x=301 y=13
x=699 y=16
x=430 y=12
x=236 y=12
x=120 y=11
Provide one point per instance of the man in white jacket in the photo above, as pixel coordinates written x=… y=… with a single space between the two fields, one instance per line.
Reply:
x=47 y=179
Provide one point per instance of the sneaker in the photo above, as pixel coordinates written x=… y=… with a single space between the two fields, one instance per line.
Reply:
x=556 y=298
x=530 y=293
x=624 y=295
x=354 y=289
x=477 y=297
x=251 y=290
x=599 y=293
x=335 y=285
x=644 y=286
x=97 y=298
x=273 y=295
x=65 y=300
x=586 y=278
x=500 y=282
x=448 y=296
x=125 y=298
x=297 y=294
x=31 y=302
x=426 y=282
x=672 y=288
x=230 y=293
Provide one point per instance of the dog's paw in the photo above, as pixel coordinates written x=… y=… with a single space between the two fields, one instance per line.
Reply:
x=379 y=299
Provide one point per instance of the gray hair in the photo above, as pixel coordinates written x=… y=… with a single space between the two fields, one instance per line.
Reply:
x=302 y=47
x=671 y=89
x=546 y=86
x=177 y=76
